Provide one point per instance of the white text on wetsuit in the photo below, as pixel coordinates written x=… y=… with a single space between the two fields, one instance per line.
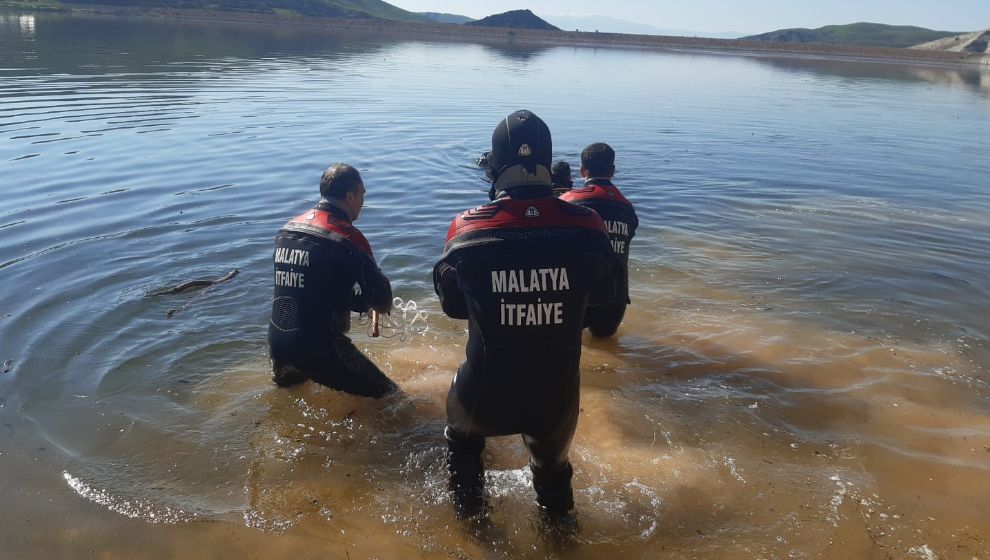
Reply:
x=615 y=228
x=534 y=280
x=288 y=278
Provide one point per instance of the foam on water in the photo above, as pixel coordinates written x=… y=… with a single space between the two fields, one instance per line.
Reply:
x=138 y=509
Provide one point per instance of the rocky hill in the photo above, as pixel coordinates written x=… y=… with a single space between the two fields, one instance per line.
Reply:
x=973 y=43
x=858 y=34
x=515 y=19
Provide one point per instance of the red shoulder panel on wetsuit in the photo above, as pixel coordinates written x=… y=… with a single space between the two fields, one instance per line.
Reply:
x=593 y=192
x=547 y=212
x=325 y=221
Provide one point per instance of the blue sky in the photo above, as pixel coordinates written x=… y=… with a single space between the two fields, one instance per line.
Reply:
x=755 y=16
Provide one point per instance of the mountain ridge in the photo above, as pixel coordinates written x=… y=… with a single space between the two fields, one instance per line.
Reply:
x=366 y=23
x=443 y=17
x=863 y=34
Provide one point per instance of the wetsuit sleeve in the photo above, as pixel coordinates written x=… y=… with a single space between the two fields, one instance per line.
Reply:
x=447 y=285
x=376 y=290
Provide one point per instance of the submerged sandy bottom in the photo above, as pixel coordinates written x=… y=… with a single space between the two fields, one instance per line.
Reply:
x=711 y=428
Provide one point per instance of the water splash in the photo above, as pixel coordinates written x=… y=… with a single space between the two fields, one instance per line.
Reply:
x=135 y=509
x=405 y=320
x=837 y=499
x=923 y=551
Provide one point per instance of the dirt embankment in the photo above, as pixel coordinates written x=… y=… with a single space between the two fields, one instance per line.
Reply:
x=977 y=42
x=462 y=32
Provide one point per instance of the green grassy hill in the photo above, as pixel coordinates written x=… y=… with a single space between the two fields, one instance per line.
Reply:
x=860 y=34
x=445 y=18
x=321 y=8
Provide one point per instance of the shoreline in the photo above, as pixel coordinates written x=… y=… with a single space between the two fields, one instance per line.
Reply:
x=555 y=38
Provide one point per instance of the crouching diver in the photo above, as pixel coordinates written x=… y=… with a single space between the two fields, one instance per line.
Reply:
x=324 y=270
x=521 y=269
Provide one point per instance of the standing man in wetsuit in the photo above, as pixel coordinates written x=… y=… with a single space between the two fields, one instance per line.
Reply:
x=324 y=270
x=599 y=194
x=521 y=269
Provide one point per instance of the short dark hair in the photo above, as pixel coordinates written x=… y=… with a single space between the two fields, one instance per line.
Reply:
x=598 y=159
x=338 y=180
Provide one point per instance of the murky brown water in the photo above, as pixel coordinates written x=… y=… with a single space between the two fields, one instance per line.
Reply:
x=771 y=438
x=802 y=374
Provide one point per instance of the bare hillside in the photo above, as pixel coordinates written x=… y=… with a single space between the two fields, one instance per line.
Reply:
x=972 y=43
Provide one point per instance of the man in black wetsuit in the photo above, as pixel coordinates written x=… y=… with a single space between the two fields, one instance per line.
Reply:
x=324 y=270
x=599 y=194
x=521 y=269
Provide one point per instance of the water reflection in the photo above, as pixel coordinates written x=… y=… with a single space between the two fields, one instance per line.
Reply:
x=100 y=45
x=24 y=23
x=27 y=25
x=516 y=51
x=972 y=78
x=976 y=80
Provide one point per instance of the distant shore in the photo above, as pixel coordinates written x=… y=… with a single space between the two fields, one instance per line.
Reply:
x=529 y=36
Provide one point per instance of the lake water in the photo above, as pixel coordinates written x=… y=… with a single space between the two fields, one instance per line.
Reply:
x=803 y=372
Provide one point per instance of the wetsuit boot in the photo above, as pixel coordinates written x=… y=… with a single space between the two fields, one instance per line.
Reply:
x=553 y=488
x=287 y=375
x=465 y=473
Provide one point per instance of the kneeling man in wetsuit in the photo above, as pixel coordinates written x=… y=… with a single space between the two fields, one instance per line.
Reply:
x=521 y=269
x=324 y=270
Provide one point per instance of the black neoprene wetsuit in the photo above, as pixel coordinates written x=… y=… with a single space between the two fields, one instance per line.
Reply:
x=324 y=270
x=522 y=271
x=621 y=222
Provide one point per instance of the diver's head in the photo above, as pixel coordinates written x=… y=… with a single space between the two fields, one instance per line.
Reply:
x=521 y=152
x=341 y=184
x=560 y=175
x=598 y=160
x=483 y=160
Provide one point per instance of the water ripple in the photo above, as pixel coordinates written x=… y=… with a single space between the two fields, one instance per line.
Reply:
x=807 y=329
